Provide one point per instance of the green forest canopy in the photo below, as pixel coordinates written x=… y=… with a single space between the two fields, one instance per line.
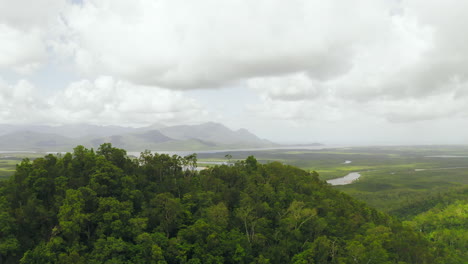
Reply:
x=104 y=207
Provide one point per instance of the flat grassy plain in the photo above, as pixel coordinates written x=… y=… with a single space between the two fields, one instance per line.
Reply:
x=401 y=180
x=330 y=163
x=7 y=168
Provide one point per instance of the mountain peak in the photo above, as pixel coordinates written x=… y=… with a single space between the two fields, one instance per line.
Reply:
x=213 y=124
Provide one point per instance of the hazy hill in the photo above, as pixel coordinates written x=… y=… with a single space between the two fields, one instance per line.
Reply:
x=29 y=140
x=70 y=131
x=155 y=137
x=134 y=141
x=216 y=133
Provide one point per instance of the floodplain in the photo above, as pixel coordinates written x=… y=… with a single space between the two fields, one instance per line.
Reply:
x=394 y=179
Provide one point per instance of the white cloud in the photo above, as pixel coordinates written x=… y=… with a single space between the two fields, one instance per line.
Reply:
x=27 y=14
x=299 y=100
x=103 y=101
x=446 y=105
x=365 y=52
x=22 y=51
x=109 y=101
x=416 y=70
x=305 y=60
x=209 y=43
x=292 y=87
x=18 y=102
x=25 y=30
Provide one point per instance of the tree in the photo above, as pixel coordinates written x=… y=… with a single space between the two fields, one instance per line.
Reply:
x=228 y=157
x=72 y=216
x=8 y=242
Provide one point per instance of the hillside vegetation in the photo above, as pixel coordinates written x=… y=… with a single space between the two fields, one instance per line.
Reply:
x=103 y=207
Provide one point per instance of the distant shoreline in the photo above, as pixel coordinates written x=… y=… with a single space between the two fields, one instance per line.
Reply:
x=188 y=152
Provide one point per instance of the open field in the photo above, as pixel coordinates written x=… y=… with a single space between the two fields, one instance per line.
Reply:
x=7 y=167
x=8 y=162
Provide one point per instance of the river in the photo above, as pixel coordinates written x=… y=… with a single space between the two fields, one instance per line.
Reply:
x=348 y=179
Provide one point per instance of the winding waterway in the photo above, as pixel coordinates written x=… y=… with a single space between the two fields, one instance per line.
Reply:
x=348 y=179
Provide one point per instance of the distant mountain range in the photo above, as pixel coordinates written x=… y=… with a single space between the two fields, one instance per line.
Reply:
x=205 y=136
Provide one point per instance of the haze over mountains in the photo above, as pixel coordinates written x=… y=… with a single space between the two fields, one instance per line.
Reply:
x=205 y=136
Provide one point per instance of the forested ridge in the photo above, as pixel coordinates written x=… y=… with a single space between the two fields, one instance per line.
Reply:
x=104 y=207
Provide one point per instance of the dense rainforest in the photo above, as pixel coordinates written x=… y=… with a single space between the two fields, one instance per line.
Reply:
x=104 y=207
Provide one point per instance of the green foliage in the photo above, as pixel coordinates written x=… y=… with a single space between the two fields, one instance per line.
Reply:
x=8 y=242
x=447 y=227
x=103 y=207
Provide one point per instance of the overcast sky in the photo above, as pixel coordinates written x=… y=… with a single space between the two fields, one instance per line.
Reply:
x=354 y=72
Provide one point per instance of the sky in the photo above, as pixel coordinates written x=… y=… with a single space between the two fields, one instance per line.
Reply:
x=297 y=71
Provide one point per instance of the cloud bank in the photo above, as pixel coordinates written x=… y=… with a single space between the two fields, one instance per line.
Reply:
x=397 y=61
x=103 y=101
x=210 y=43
